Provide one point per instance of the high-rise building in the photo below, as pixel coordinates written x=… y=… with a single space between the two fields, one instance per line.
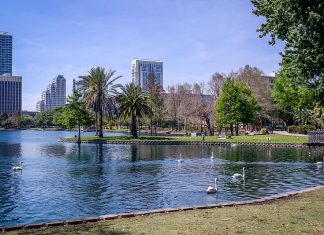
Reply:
x=141 y=69
x=54 y=96
x=10 y=86
x=5 y=53
x=10 y=94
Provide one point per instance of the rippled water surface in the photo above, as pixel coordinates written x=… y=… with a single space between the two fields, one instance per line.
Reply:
x=61 y=181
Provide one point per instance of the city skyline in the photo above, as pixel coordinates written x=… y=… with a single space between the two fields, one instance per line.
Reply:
x=192 y=38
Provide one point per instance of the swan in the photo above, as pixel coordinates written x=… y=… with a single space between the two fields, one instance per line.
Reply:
x=237 y=175
x=18 y=168
x=180 y=160
x=320 y=163
x=233 y=145
x=212 y=156
x=212 y=189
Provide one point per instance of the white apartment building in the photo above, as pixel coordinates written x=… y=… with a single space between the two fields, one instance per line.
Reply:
x=54 y=96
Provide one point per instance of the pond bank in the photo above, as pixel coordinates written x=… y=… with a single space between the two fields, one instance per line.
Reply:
x=179 y=142
x=293 y=212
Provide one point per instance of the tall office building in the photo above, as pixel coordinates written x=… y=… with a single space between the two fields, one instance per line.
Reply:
x=141 y=70
x=10 y=94
x=10 y=86
x=54 y=96
x=5 y=53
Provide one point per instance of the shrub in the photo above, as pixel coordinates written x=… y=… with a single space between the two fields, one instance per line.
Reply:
x=302 y=129
x=264 y=131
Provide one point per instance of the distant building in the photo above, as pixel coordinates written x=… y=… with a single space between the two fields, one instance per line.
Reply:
x=10 y=94
x=54 y=96
x=141 y=70
x=271 y=78
x=77 y=84
x=5 y=53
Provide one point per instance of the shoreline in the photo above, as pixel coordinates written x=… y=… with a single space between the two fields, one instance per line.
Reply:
x=188 y=142
x=108 y=217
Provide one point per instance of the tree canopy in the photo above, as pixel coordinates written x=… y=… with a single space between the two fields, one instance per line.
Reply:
x=299 y=24
x=235 y=104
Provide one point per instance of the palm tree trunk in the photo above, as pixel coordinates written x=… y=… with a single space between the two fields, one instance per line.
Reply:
x=96 y=122
x=79 y=136
x=100 y=120
x=134 y=128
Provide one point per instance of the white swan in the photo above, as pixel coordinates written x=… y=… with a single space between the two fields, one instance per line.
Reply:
x=212 y=189
x=180 y=160
x=233 y=145
x=237 y=175
x=18 y=168
x=320 y=163
x=212 y=156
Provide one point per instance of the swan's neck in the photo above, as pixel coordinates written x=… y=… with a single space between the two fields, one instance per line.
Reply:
x=243 y=173
x=215 y=184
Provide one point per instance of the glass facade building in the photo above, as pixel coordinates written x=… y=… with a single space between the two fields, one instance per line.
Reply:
x=54 y=96
x=10 y=94
x=141 y=69
x=5 y=53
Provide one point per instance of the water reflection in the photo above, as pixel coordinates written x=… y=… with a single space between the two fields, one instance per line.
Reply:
x=62 y=180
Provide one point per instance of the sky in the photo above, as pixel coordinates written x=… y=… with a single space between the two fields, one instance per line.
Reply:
x=193 y=38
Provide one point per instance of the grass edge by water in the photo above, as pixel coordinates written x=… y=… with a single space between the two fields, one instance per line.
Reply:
x=300 y=214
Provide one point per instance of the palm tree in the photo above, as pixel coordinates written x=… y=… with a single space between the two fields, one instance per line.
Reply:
x=100 y=92
x=133 y=103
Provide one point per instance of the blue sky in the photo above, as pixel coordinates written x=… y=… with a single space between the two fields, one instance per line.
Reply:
x=194 y=39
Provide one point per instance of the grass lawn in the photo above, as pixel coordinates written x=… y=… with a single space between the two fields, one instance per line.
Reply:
x=274 y=138
x=301 y=214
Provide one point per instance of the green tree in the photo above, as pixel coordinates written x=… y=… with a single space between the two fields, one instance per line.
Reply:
x=44 y=119
x=58 y=116
x=26 y=121
x=133 y=103
x=74 y=114
x=235 y=104
x=291 y=99
x=99 y=93
x=299 y=24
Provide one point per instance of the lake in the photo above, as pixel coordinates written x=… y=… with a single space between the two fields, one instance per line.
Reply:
x=61 y=181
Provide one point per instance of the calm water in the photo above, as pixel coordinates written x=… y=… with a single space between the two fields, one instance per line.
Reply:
x=61 y=181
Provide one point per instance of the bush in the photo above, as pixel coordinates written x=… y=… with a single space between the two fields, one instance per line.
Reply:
x=264 y=131
x=302 y=129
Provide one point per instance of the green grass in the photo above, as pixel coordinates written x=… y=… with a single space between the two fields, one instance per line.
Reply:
x=302 y=214
x=255 y=139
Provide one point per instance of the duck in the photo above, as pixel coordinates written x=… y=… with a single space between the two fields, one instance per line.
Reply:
x=180 y=160
x=320 y=162
x=238 y=175
x=212 y=189
x=212 y=156
x=18 y=168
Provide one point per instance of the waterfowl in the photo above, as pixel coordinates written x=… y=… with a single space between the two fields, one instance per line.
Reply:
x=320 y=162
x=180 y=160
x=237 y=175
x=18 y=168
x=212 y=156
x=212 y=189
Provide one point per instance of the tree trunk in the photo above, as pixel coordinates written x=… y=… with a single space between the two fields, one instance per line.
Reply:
x=237 y=128
x=96 y=122
x=79 y=136
x=231 y=129
x=100 y=120
x=211 y=131
x=134 y=128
